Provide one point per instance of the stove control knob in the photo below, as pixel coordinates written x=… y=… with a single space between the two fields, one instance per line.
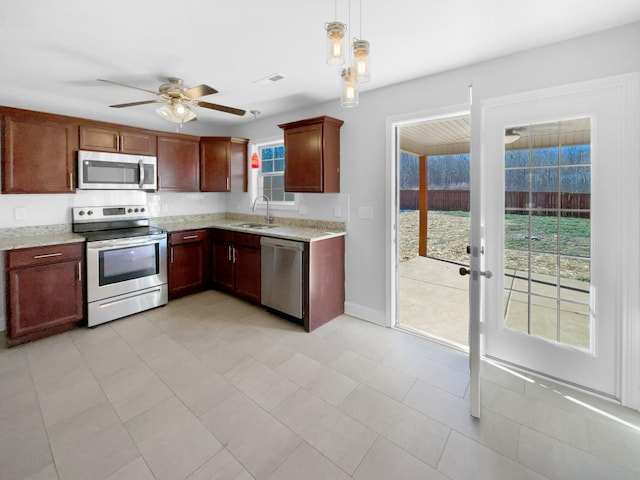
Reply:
x=130 y=210
x=142 y=210
x=81 y=212
x=90 y=212
x=135 y=210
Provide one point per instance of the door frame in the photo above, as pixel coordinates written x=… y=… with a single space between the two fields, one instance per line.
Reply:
x=628 y=281
x=392 y=200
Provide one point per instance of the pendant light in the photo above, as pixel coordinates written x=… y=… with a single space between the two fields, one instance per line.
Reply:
x=349 y=96
x=335 y=40
x=361 y=60
x=361 y=56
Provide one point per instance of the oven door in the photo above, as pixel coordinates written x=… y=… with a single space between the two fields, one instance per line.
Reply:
x=125 y=265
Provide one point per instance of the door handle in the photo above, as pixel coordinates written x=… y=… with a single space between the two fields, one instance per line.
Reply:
x=465 y=271
x=141 y=173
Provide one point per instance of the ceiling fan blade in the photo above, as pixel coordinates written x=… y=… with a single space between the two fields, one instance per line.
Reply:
x=199 y=91
x=133 y=104
x=128 y=86
x=222 y=108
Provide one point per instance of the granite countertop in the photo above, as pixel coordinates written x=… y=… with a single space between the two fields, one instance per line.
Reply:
x=287 y=228
x=303 y=233
x=38 y=240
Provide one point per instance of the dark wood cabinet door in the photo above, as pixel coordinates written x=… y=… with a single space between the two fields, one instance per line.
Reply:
x=303 y=157
x=38 y=154
x=247 y=270
x=137 y=143
x=312 y=155
x=44 y=296
x=215 y=169
x=222 y=274
x=188 y=262
x=223 y=164
x=99 y=138
x=178 y=164
x=110 y=139
x=186 y=271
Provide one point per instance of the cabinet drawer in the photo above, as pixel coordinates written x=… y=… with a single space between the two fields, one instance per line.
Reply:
x=43 y=255
x=187 y=236
x=222 y=235
x=247 y=240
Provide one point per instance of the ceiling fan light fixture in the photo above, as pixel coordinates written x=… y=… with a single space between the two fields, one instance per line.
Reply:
x=176 y=113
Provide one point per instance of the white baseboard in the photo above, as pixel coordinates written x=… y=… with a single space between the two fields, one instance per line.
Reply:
x=364 y=313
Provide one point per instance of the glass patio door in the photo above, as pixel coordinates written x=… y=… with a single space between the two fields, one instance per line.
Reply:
x=553 y=170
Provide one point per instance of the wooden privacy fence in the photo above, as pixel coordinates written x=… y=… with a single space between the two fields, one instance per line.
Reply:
x=516 y=202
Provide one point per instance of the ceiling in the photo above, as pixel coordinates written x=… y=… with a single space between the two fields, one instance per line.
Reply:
x=53 y=52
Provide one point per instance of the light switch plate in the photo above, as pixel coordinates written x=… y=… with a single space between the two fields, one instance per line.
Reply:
x=337 y=211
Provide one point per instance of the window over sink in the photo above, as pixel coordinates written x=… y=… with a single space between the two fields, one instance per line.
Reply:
x=268 y=179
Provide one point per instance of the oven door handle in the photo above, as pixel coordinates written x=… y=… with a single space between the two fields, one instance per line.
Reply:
x=141 y=175
x=124 y=242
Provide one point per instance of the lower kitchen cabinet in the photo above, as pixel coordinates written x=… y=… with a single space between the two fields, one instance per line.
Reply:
x=188 y=262
x=45 y=293
x=323 y=281
x=236 y=263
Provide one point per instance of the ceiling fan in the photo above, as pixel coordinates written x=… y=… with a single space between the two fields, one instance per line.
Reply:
x=178 y=99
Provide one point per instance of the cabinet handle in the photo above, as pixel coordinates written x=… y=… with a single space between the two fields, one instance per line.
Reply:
x=171 y=249
x=235 y=255
x=229 y=249
x=227 y=184
x=70 y=181
x=189 y=237
x=47 y=255
x=79 y=271
x=119 y=143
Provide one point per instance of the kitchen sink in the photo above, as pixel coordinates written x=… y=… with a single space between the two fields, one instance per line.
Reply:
x=257 y=226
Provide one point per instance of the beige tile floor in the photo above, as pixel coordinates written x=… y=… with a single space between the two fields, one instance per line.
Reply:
x=209 y=387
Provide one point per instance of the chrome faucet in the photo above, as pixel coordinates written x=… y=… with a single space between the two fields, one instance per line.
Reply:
x=267 y=217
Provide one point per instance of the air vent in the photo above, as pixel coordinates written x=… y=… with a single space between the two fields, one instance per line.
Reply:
x=269 y=79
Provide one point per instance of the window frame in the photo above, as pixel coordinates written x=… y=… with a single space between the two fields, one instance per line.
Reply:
x=257 y=175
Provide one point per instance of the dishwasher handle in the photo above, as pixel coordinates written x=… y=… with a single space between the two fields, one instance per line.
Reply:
x=281 y=243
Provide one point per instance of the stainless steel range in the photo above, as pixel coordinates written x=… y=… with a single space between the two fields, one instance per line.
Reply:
x=126 y=261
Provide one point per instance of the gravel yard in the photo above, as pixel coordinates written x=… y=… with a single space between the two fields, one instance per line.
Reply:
x=448 y=236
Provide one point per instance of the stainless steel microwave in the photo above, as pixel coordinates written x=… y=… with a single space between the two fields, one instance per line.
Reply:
x=116 y=171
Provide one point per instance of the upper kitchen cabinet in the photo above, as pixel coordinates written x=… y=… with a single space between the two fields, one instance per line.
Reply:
x=223 y=164
x=38 y=152
x=312 y=155
x=111 y=138
x=178 y=163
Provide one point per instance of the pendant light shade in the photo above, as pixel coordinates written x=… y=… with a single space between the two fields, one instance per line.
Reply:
x=335 y=42
x=349 y=96
x=361 y=60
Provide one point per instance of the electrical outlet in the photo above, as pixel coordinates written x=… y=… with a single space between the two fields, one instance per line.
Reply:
x=165 y=207
x=20 y=213
x=337 y=211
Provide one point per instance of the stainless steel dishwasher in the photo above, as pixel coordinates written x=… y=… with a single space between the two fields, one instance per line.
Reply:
x=281 y=275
